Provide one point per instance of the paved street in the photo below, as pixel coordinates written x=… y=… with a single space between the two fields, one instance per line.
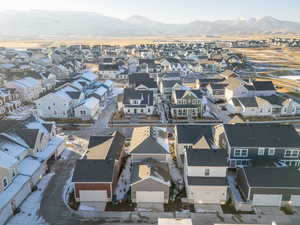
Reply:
x=215 y=110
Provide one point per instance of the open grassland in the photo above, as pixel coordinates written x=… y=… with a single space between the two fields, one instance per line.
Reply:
x=49 y=42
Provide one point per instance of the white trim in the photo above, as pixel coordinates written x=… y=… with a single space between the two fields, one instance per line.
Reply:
x=261 y=151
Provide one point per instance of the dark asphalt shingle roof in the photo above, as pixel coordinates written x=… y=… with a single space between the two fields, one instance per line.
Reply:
x=149 y=146
x=74 y=94
x=207 y=181
x=146 y=96
x=193 y=133
x=264 y=86
x=158 y=170
x=206 y=157
x=248 y=101
x=93 y=171
x=262 y=135
x=137 y=79
x=179 y=93
x=273 y=177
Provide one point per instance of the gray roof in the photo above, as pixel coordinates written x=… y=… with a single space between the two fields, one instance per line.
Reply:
x=262 y=135
x=137 y=79
x=206 y=157
x=157 y=169
x=272 y=177
x=264 y=86
x=207 y=181
x=192 y=133
x=145 y=95
x=170 y=83
x=149 y=146
x=93 y=171
x=247 y=101
x=179 y=93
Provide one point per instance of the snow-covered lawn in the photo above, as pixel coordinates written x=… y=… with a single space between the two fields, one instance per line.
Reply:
x=123 y=185
x=176 y=177
x=30 y=207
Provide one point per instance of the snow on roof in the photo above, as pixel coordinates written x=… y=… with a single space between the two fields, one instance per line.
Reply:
x=50 y=150
x=108 y=83
x=28 y=82
x=28 y=166
x=101 y=91
x=7 y=66
x=11 y=148
x=91 y=103
x=37 y=125
x=63 y=95
x=7 y=161
x=12 y=190
x=89 y=76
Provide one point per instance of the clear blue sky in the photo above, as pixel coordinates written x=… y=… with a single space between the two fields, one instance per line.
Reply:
x=177 y=11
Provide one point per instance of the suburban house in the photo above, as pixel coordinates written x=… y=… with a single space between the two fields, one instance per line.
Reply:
x=149 y=142
x=110 y=147
x=168 y=86
x=192 y=136
x=187 y=104
x=269 y=186
x=142 y=81
x=87 y=109
x=92 y=186
x=28 y=88
x=139 y=102
x=109 y=71
x=205 y=176
x=273 y=105
x=259 y=144
x=216 y=91
x=25 y=149
x=150 y=184
x=9 y=100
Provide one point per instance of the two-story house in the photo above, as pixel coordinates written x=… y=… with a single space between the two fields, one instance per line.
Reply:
x=187 y=104
x=138 y=102
x=259 y=144
x=205 y=176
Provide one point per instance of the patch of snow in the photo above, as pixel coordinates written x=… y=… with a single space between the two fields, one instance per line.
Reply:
x=31 y=206
x=28 y=166
x=85 y=207
x=123 y=184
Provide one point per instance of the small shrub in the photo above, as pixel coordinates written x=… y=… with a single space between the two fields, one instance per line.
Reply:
x=287 y=209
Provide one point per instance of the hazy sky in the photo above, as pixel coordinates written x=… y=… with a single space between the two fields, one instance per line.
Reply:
x=177 y=11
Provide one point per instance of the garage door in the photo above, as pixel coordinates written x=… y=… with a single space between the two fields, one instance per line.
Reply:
x=150 y=196
x=93 y=196
x=295 y=200
x=267 y=200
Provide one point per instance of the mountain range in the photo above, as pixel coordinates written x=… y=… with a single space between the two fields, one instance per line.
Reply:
x=35 y=23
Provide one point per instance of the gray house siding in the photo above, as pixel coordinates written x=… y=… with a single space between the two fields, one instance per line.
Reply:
x=149 y=185
x=253 y=154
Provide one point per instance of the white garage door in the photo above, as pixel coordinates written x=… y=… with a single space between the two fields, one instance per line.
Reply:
x=267 y=200
x=150 y=196
x=93 y=196
x=295 y=200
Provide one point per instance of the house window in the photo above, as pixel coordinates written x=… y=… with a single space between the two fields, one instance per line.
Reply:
x=240 y=152
x=291 y=153
x=261 y=151
x=49 y=107
x=271 y=151
x=186 y=147
x=4 y=182
x=206 y=172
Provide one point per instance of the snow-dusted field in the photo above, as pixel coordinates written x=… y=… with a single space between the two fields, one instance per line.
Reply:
x=30 y=207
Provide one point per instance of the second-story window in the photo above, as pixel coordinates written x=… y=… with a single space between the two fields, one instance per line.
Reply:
x=206 y=172
x=261 y=151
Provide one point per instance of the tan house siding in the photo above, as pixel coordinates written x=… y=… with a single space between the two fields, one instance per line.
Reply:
x=149 y=185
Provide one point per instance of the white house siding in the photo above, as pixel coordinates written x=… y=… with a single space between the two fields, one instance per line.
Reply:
x=266 y=200
x=197 y=171
x=150 y=196
x=38 y=174
x=5 y=214
x=207 y=194
x=52 y=106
